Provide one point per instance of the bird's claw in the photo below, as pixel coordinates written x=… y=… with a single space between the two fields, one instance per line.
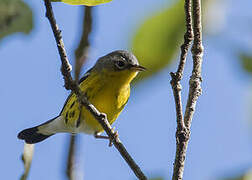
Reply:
x=115 y=136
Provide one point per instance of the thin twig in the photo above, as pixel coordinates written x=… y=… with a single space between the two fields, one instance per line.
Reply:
x=80 y=58
x=195 y=79
x=27 y=159
x=176 y=77
x=197 y=52
x=181 y=133
x=72 y=85
x=183 y=125
x=70 y=171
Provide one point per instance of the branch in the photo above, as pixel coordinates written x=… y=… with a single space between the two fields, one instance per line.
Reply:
x=183 y=125
x=27 y=159
x=181 y=134
x=197 y=53
x=70 y=171
x=80 y=58
x=72 y=85
x=176 y=77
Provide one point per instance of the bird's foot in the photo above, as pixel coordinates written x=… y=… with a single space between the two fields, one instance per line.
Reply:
x=115 y=136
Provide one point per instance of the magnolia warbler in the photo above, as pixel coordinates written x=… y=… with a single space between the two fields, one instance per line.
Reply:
x=106 y=86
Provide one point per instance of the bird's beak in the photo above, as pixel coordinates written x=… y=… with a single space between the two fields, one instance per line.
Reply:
x=138 y=68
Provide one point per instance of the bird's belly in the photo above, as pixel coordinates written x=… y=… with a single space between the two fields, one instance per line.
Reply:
x=106 y=101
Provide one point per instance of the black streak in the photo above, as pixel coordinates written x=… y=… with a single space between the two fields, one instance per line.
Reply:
x=66 y=119
x=78 y=121
x=72 y=114
x=72 y=104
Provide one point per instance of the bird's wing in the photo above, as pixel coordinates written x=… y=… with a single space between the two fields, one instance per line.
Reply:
x=71 y=110
x=80 y=81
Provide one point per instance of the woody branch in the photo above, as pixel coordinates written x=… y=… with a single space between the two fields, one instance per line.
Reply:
x=193 y=32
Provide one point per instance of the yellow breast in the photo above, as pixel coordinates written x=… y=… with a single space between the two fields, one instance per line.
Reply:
x=109 y=101
x=109 y=94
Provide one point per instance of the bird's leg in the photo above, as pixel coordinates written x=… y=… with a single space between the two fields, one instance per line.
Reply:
x=98 y=136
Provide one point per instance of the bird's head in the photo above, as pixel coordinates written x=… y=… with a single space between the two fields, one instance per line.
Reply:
x=120 y=64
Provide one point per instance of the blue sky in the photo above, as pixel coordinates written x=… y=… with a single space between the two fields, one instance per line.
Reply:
x=32 y=92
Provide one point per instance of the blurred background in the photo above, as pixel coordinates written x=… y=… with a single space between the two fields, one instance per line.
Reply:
x=32 y=91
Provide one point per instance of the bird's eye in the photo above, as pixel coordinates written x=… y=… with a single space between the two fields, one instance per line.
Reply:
x=120 y=64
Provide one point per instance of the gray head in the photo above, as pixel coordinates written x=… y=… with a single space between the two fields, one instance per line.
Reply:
x=118 y=61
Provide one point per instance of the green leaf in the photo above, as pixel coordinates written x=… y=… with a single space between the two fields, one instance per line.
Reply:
x=158 y=39
x=83 y=2
x=15 y=16
x=246 y=61
x=157 y=178
x=246 y=176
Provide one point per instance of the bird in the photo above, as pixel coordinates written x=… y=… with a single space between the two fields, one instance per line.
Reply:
x=106 y=85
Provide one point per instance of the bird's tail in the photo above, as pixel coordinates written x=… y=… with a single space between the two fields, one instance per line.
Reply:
x=41 y=132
